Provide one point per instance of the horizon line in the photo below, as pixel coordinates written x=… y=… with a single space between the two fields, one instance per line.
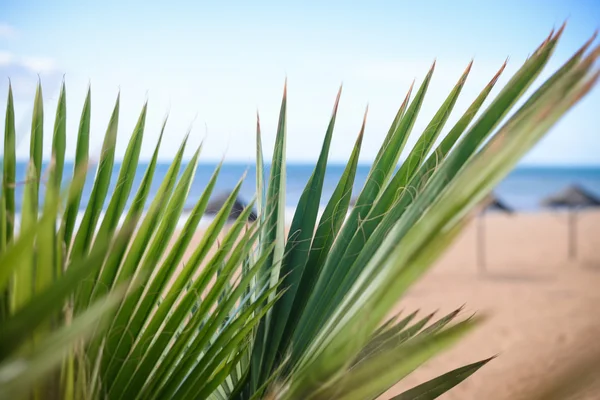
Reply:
x=364 y=163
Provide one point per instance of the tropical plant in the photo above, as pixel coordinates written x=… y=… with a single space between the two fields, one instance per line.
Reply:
x=105 y=308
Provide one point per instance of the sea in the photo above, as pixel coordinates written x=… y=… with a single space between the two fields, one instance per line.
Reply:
x=523 y=189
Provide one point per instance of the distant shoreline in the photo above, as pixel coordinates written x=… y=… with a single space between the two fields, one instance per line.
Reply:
x=522 y=189
x=311 y=164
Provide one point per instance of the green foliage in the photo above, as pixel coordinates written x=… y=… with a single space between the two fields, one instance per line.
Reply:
x=125 y=306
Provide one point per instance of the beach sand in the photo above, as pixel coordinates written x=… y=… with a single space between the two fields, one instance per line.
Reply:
x=542 y=308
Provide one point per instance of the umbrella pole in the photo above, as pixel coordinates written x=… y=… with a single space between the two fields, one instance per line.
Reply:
x=572 y=234
x=480 y=243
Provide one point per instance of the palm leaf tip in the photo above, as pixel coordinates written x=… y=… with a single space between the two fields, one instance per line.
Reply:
x=432 y=389
x=466 y=72
x=337 y=100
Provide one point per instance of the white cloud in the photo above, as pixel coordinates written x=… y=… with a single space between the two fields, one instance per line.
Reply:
x=6 y=58
x=23 y=71
x=38 y=64
x=6 y=31
x=30 y=64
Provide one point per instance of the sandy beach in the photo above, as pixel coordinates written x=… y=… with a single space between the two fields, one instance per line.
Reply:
x=542 y=307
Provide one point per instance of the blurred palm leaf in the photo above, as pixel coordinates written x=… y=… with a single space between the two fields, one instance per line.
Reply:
x=135 y=309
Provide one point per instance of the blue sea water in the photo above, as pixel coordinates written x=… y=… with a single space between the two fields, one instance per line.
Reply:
x=522 y=189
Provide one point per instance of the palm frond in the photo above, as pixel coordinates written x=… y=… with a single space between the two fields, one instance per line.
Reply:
x=124 y=305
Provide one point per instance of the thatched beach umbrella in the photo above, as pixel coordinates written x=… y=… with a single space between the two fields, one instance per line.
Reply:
x=216 y=203
x=573 y=199
x=490 y=204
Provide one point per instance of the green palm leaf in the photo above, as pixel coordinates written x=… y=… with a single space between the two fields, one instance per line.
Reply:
x=436 y=387
x=80 y=167
x=84 y=236
x=8 y=166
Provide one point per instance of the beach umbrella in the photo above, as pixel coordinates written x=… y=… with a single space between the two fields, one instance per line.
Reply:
x=217 y=202
x=572 y=199
x=489 y=204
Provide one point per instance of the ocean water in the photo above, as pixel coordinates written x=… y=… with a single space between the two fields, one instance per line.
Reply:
x=523 y=189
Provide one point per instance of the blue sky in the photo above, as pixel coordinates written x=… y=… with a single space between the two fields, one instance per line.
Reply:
x=212 y=65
